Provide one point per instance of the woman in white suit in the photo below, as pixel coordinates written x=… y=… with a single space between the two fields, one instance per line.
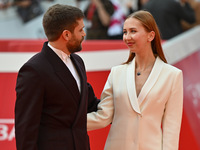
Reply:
x=143 y=98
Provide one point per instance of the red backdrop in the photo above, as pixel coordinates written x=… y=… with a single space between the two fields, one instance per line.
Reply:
x=190 y=130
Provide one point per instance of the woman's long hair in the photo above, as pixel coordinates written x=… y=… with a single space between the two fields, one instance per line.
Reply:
x=149 y=24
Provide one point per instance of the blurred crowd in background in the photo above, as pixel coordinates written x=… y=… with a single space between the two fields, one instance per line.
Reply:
x=104 y=18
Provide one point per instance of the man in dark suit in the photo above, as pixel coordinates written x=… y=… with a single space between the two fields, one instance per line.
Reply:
x=53 y=96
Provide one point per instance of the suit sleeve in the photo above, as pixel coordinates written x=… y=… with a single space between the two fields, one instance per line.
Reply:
x=104 y=115
x=28 y=107
x=173 y=114
x=92 y=99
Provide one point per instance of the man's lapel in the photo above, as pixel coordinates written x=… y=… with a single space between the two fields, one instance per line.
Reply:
x=62 y=72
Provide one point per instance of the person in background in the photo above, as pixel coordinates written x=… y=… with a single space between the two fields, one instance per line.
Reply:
x=135 y=5
x=115 y=29
x=195 y=4
x=52 y=92
x=142 y=98
x=4 y=4
x=28 y=9
x=169 y=14
x=98 y=15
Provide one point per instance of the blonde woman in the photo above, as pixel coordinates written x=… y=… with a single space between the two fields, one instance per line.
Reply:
x=143 y=98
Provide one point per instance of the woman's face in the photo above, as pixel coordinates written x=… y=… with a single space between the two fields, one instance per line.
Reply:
x=135 y=36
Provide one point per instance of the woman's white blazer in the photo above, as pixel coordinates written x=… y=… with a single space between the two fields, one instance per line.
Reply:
x=150 y=121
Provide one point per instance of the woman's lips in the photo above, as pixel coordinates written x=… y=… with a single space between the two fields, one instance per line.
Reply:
x=130 y=44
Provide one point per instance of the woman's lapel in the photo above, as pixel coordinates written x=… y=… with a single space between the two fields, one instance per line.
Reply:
x=151 y=80
x=131 y=86
x=137 y=101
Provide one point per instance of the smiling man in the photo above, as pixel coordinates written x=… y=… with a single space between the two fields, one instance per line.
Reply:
x=53 y=96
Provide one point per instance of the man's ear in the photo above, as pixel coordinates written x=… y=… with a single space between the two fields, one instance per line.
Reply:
x=66 y=34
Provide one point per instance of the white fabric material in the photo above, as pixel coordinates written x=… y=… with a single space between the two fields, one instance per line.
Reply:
x=137 y=120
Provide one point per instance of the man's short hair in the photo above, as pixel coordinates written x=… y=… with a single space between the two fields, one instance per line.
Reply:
x=59 y=18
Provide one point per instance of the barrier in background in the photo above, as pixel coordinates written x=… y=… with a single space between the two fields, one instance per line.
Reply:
x=99 y=57
x=184 y=52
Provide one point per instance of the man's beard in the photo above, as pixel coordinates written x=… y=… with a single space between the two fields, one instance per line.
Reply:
x=74 y=45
